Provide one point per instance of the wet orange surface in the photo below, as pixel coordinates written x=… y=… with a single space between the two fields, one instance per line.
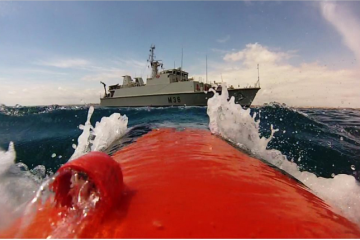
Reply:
x=186 y=184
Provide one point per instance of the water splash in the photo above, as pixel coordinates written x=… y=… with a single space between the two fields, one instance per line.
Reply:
x=41 y=195
x=84 y=140
x=226 y=116
x=84 y=199
x=17 y=185
x=7 y=158
x=99 y=138
x=235 y=124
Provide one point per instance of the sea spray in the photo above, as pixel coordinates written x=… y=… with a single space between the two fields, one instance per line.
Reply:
x=84 y=140
x=99 y=138
x=226 y=116
x=7 y=158
x=108 y=130
x=235 y=124
x=17 y=185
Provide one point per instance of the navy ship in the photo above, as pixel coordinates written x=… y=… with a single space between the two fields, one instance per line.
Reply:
x=171 y=87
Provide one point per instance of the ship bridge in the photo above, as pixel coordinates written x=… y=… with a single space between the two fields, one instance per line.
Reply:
x=176 y=75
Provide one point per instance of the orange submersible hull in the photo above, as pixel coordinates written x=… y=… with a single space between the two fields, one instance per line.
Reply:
x=178 y=184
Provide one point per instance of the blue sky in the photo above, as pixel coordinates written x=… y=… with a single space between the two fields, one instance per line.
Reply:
x=71 y=46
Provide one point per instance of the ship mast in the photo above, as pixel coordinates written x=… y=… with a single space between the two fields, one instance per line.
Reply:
x=182 y=53
x=258 y=81
x=154 y=64
x=206 y=70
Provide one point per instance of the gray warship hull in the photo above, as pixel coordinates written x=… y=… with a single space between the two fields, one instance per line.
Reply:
x=170 y=87
x=244 y=97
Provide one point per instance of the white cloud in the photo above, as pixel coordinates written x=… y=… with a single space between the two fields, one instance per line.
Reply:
x=47 y=94
x=85 y=86
x=112 y=74
x=65 y=63
x=38 y=71
x=106 y=75
x=345 y=22
x=224 y=39
x=256 y=53
x=310 y=84
x=131 y=63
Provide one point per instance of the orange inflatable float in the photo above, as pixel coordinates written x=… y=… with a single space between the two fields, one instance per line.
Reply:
x=179 y=184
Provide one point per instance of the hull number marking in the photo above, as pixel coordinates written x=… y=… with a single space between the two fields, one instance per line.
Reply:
x=174 y=100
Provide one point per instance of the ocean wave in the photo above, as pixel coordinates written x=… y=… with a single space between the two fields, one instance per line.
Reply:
x=236 y=125
x=19 y=110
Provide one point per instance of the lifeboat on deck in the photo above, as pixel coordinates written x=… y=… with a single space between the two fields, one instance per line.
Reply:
x=179 y=184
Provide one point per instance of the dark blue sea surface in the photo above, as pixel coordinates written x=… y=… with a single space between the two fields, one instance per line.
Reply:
x=320 y=141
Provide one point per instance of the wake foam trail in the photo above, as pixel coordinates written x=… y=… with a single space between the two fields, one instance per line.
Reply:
x=235 y=124
x=100 y=137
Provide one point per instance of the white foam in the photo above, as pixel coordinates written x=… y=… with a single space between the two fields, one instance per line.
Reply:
x=108 y=130
x=235 y=124
x=84 y=139
x=7 y=158
x=17 y=185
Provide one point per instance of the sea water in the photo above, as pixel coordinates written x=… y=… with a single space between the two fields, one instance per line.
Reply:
x=319 y=147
